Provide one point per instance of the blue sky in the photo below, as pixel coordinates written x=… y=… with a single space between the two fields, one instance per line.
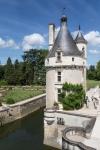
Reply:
x=24 y=24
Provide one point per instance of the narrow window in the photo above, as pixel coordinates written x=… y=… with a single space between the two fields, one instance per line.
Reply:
x=59 y=76
x=83 y=48
x=59 y=92
x=58 y=56
x=72 y=58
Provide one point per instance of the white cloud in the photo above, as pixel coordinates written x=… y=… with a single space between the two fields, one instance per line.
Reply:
x=74 y=34
x=96 y=52
x=9 y=43
x=2 y=42
x=33 y=41
x=93 y=38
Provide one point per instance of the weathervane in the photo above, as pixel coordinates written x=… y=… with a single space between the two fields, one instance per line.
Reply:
x=79 y=27
x=64 y=11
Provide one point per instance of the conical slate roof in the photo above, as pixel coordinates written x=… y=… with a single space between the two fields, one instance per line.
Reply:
x=80 y=38
x=64 y=42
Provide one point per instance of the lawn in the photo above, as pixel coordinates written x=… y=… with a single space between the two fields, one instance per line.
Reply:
x=17 y=94
x=92 y=84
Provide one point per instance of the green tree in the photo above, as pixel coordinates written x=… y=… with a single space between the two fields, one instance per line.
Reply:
x=30 y=71
x=9 y=72
x=17 y=72
x=91 y=73
x=98 y=71
x=22 y=78
x=35 y=68
x=2 y=72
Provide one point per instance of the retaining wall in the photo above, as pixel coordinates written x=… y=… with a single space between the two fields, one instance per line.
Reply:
x=19 y=110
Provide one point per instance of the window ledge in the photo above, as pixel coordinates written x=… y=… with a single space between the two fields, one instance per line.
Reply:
x=58 y=83
x=58 y=61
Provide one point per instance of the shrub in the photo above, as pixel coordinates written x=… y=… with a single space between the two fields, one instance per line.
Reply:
x=3 y=82
x=74 y=98
x=61 y=96
x=0 y=102
x=10 y=100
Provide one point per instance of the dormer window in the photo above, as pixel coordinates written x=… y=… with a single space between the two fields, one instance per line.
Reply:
x=58 y=56
x=72 y=58
x=83 y=50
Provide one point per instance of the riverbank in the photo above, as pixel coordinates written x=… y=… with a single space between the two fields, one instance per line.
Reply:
x=10 y=113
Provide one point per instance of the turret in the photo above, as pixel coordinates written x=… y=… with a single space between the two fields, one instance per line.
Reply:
x=64 y=62
x=81 y=42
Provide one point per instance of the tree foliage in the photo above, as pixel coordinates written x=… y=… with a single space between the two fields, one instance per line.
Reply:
x=2 y=68
x=30 y=71
x=35 y=68
x=9 y=72
x=98 y=71
x=93 y=73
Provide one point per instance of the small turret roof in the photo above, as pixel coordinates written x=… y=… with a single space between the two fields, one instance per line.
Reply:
x=64 y=42
x=80 y=38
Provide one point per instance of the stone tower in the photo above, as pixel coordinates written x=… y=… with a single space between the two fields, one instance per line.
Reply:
x=66 y=61
x=82 y=46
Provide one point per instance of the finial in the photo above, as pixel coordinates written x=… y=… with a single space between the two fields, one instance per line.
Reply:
x=79 y=27
x=63 y=17
x=63 y=11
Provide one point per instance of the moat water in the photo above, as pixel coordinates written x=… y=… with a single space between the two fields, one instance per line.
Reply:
x=24 y=134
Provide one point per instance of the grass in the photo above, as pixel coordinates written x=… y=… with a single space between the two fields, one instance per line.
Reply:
x=92 y=84
x=21 y=93
x=18 y=93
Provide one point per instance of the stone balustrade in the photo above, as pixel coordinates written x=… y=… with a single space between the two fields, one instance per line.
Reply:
x=73 y=137
x=49 y=116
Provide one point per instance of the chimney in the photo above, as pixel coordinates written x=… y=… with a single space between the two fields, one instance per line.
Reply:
x=51 y=35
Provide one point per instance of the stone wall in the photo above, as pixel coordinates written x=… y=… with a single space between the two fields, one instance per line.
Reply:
x=19 y=110
x=66 y=60
x=70 y=75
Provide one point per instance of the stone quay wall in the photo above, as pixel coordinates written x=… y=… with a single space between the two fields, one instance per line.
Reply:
x=21 y=109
